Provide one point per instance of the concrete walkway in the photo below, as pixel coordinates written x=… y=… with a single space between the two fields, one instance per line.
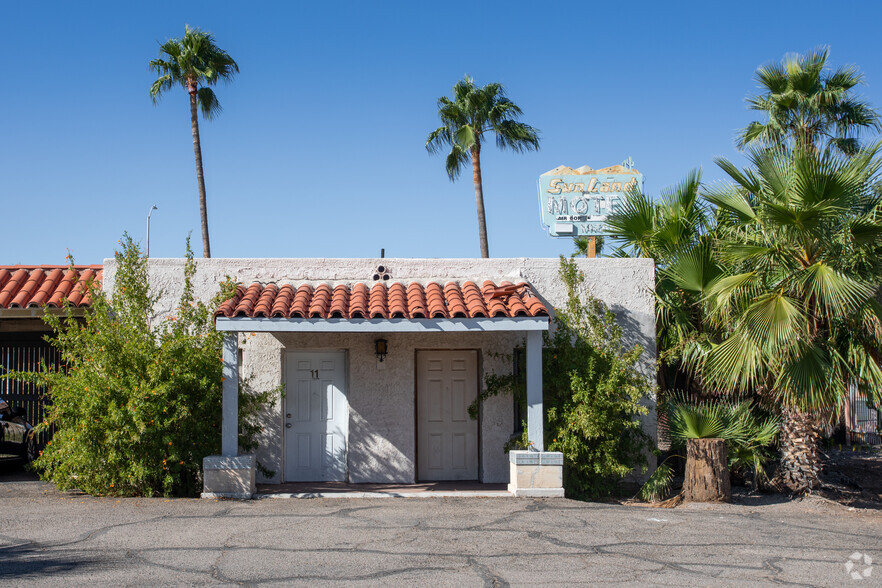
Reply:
x=52 y=539
x=419 y=490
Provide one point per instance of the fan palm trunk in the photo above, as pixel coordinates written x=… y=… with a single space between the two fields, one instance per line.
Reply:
x=800 y=464
x=200 y=178
x=479 y=200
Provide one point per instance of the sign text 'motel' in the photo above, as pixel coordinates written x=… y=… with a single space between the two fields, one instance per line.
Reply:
x=576 y=202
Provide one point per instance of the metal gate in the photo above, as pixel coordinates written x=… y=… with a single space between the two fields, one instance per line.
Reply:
x=865 y=423
x=27 y=356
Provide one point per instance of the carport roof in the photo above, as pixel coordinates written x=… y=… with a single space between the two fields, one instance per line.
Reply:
x=23 y=286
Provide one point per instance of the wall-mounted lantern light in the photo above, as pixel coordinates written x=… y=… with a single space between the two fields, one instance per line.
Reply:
x=381 y=347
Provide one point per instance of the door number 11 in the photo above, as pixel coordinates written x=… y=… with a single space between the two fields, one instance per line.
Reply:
x=315 y=374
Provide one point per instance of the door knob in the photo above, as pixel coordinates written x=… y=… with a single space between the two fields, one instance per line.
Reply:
x=287 y=425
x=288 y=415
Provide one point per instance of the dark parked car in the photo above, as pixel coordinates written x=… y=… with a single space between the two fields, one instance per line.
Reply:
x=16 y=434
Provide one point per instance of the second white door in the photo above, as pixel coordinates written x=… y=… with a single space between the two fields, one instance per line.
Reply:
x=447 y=438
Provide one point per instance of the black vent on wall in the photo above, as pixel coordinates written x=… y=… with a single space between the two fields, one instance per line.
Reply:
x=382 y=273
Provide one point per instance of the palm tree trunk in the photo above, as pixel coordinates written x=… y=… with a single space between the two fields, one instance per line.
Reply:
x=800 y=463
x=200 y=178
x=479 y=200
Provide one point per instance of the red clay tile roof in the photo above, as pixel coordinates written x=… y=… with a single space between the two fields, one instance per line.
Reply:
x=34 y=286
x=413 y=301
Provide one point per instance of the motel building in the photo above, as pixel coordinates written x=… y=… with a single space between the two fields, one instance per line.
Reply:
x=375 y=363
x=378 y=360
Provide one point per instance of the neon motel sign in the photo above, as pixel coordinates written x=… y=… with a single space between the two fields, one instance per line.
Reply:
x=576 y=202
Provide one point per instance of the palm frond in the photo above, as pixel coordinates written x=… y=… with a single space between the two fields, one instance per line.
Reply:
x=456 y=160
x=805 y=379
x=833 y=294
x=438 y=139
x=208 y=103
x=773 y=321
x=658 y=485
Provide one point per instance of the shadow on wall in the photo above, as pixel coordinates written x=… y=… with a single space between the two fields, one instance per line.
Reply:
x=269 y=433
x=374 y=458
x=632 y=329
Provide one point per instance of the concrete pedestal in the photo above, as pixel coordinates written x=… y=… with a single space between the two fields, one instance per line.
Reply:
x=228 y=477
x=536 y=474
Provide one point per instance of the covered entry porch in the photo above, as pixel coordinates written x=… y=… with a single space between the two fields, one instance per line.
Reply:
x=336 y=329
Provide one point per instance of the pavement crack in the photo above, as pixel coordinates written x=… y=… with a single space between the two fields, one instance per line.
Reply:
x=491 y=580
x=561 y=543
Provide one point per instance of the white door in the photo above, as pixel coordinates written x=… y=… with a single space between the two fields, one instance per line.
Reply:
x=316 y=417
x=447 y=438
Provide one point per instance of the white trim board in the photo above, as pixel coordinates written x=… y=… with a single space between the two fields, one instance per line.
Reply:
x=283 y=325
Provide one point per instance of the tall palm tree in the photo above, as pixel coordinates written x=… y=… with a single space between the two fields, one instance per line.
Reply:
x=194 y=62
x=800 y=233
x=465 y=119
x=808 y=105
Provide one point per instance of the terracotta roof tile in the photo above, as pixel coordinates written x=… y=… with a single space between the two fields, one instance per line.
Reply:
x=436 y=301
x=50 y=285
x=321 y=301
x=398 y=301
x=340 y=302
x=358 y=301
x=283 y=301
x=416 y=301
x=264 y=304
x=300 y=305
x=377 y=302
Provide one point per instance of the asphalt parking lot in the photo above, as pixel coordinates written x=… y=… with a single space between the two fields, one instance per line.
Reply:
x=49 y=538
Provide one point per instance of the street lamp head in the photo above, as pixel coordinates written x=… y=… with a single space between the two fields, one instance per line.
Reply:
x=152 y=208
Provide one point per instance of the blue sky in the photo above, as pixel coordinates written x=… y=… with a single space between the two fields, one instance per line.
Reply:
x=320 y=149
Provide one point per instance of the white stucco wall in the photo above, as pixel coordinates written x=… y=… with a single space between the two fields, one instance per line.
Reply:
x=381 y=397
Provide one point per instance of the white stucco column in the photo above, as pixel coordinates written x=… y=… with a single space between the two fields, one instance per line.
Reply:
x=230 y=425
x=535 y=411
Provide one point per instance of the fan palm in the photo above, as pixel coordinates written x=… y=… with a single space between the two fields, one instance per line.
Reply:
x=748 y=430
x=675 y=230
x=808 y=105
x=471 y=113
x=195 y=63
x=801 y=234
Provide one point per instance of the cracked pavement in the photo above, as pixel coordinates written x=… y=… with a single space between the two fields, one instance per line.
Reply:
x=57 y=539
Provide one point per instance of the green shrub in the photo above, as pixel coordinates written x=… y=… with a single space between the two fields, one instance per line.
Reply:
x=139 y=403
x=593 y=393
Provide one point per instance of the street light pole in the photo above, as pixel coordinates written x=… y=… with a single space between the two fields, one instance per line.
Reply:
x=152 y=208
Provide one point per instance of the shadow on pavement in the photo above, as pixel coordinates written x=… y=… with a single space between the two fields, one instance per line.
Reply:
x=25 y=561
x=12 y=472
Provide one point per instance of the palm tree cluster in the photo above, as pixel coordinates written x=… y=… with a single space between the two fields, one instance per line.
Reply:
x=768 y=285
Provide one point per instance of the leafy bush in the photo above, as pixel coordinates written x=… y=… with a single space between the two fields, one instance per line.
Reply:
x=139 y=403
x=593 y=393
